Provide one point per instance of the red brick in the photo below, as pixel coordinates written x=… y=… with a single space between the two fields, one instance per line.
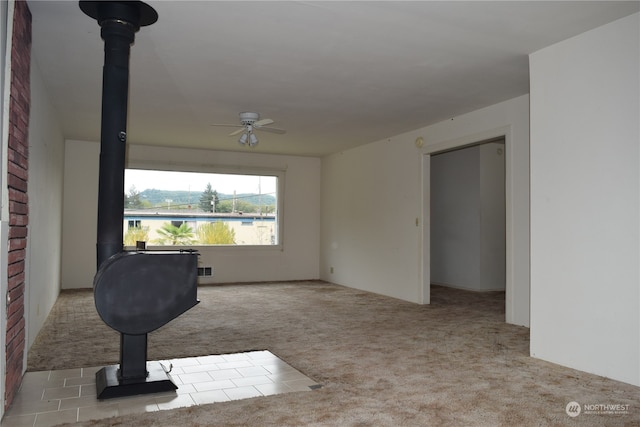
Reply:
x=15 y=334
x=17 y=244
x=17 y=170
x=17 y=195
x=17 y=137
x=15 y=366
x=14 y=322
x=13 y=381
x=16 y=259
x=16 y=256
x=15 y=293
x=15 y=348
x=18 y=232
x=18 y=208
x=16 y=182
x=17 y=331
x=18 y=220
x=15 y=296
x=18 y=159
x=15 y=268
x=15 y=338
x=18 y=155
x=15 y=281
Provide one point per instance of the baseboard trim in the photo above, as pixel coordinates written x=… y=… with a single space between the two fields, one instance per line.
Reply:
x=463 y=288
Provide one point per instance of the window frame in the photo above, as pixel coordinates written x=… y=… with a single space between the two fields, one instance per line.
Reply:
x=279 y=174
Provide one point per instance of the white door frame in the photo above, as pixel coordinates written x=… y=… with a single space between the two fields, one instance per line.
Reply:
x=466 y=141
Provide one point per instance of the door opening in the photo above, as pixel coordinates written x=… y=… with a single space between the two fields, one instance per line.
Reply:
x=465 y=215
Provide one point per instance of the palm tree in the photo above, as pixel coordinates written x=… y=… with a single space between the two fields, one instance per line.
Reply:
x=174 y=236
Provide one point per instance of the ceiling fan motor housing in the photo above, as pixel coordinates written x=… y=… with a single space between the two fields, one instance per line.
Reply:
x=248 y=118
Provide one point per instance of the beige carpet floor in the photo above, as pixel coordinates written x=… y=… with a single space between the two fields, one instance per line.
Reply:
x=381 y=361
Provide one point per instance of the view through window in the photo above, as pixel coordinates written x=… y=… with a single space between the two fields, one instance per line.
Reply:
x=172 y=208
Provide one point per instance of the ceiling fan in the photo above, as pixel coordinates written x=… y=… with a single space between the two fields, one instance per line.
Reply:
x=250 y=122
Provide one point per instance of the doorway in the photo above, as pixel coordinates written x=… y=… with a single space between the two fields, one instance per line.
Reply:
x=503 y=134
x=468 y=217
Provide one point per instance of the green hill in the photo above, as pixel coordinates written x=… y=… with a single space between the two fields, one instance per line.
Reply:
x=184 y=199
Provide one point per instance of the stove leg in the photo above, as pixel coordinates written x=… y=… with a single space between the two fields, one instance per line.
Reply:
x=133 y=357
x=134 y=375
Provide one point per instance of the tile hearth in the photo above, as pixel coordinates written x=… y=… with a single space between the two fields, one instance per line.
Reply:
x=48 y=398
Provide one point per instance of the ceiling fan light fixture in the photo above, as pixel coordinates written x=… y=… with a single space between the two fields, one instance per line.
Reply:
x=250 y=122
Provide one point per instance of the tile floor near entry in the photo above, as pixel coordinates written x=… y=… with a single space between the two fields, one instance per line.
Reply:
x=48 y=398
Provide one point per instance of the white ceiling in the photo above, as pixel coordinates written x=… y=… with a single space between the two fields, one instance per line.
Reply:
x=334 y=74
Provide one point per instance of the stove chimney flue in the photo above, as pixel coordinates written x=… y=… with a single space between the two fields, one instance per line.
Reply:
x=119 y=21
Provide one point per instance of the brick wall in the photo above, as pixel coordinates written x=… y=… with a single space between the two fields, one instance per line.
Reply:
x=17 y=174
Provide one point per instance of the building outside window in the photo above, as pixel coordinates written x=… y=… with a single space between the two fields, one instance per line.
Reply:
x=202 y=209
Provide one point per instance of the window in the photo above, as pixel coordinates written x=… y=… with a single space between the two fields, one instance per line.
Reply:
x=176 y=208
x=135 y=223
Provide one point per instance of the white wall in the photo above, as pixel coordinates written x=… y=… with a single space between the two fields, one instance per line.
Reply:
x=492 y=218
x=297 y=260
x=46 y=162
x=585 y=197
x=468 y=218
x=370 y=204
x=372 y=197
x=79 y=214
x=455 y=218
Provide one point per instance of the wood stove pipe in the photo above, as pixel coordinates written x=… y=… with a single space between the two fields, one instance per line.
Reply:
x=119 y=21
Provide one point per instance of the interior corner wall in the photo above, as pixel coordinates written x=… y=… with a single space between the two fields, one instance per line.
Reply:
x=492 y=217
x=585 y=207
x=46 y=162
x=79 y=214
x=372 y=211
x=297 y=260
x=455 y=218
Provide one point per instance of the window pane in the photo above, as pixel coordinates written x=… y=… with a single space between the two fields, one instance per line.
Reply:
x=172 y=208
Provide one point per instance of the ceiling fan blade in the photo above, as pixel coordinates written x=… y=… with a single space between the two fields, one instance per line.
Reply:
x=227 y=125
x=263 y=122
x=273 y=130
x=237 y=132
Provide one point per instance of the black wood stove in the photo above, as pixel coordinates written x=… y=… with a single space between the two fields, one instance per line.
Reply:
x=134 y=292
